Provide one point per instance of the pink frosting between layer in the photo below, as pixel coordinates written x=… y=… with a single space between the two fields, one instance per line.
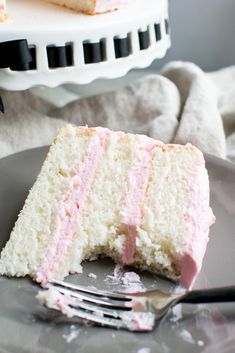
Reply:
x=132 y=212
x=199 y=218
x=109 y=5
x=73 y=202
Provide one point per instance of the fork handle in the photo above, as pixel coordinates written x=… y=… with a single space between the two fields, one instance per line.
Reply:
x=214 y=295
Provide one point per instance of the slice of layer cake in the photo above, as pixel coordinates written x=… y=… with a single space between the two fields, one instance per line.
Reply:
x=124 y=196
x=91 y=7
x=3 y=12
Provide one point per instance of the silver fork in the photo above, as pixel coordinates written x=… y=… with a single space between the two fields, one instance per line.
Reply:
x=132 y=311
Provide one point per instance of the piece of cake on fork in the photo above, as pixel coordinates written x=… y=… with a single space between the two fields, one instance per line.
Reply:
x=125 y=196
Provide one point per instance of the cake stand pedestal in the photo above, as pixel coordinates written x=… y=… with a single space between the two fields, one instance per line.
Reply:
x=45 y=44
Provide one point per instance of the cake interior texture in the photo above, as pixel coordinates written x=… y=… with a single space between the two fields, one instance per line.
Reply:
x=87 y=6
x=120 y=195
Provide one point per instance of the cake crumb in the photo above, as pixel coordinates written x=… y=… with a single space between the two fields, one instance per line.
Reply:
x=144 y=350
x=117 y=275
x=130 y=281
x=138 y=321
x=130 y=277
x=187 y=337
x=72 y=335
x=177 y=313
x=200 y=343
x=92 y=275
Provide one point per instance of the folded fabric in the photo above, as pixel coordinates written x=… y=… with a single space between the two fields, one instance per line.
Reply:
x=181 y=104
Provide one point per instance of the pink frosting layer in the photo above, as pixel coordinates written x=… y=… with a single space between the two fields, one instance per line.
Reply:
x=132 y=212
x=199 y=217
x=72 y=204
x=109 y=5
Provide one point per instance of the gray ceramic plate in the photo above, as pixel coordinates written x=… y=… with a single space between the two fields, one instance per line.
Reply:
x=27 y=327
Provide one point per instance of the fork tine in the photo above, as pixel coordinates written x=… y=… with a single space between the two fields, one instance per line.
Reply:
x=100 y=300
x=71 y=307
x=96 y=292
x=123 y=320
x=97 y=309
x=101 y=320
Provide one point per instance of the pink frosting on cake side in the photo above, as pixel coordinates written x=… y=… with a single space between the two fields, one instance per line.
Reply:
x=73 y=202
x=199 y=217
x=109 y=5
x=138 y=181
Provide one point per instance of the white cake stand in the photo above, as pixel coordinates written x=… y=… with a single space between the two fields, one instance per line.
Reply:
x=67 y=47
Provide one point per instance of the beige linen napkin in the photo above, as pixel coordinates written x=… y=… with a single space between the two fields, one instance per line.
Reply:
x=181 y=104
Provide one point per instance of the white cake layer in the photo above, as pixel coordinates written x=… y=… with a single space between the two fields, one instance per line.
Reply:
x=34 y=227
x=163 y=236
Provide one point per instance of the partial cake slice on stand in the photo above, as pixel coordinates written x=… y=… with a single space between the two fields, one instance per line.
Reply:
x=3 y=12
x=65 y=46
x=91 y=7
x=125 y=196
